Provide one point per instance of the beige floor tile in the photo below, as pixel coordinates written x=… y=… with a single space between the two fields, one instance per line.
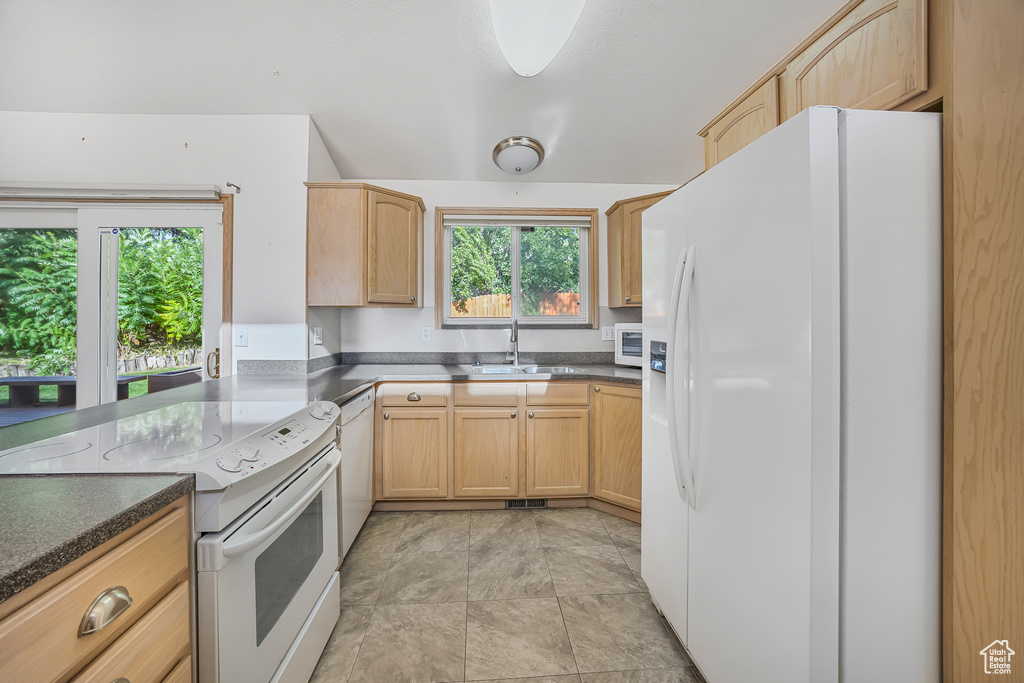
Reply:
x=380 y=533
x=362 y=575
x=434 y=532
x=541 y=679
x=413 y=644
x=623 y=532
x=503 y=529
x=684 y=675
x=508 y=573
x=589 y=570
x=632 y=559
x=426 y=577
x=516 y=639
x=340 y=653
x=574 y=527
x=619 y=633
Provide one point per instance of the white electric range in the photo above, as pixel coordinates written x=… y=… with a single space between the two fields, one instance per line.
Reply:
x=266 y=503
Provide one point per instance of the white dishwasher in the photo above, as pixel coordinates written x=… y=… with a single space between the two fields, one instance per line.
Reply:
x=356 y=481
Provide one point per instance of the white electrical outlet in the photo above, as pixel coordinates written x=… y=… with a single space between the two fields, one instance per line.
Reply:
x=425 y=333
x=607 y=333
x=241 y=336
x=318 y=336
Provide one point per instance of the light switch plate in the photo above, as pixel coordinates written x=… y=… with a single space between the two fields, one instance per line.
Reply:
x=607 y=333
x=241 y=336
x=318 y=336
x=425 y=333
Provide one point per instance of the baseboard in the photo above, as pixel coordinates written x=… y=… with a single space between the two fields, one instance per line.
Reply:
x=613 y=509
x=553 y=503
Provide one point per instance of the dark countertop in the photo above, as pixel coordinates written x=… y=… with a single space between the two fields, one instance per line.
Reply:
x=337 y=384
x=48 y=521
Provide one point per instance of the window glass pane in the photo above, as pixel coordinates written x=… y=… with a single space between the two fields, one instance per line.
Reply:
x=481 y=282
x=38 y=322
x=549 y=264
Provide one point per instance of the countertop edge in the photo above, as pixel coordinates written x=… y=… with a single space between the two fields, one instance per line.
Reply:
x=59 y=556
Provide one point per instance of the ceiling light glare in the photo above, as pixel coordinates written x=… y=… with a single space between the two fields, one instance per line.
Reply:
x=531 y=32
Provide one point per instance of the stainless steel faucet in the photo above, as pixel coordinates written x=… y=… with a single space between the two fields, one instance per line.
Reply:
x=514 y=338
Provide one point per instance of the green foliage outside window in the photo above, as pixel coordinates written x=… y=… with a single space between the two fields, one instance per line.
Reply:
x=159 y=302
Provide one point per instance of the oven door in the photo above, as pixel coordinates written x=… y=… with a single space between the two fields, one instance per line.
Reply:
x=260 y=578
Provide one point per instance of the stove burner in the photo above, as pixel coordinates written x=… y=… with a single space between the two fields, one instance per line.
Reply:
x=161 y=448
x=49 y=451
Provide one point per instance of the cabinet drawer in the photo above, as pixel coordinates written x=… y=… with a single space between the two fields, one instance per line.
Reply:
x=413 y=395
x=182 y=673
x=480 y=394
x=557 y=394
x=150 y=649
x=40 y=641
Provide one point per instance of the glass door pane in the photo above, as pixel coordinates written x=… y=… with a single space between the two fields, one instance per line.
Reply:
x=159 y=309
x=38 y=322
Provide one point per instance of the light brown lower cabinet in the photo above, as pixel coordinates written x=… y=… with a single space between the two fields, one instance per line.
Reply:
x=557 y=452
x=40 y=641
x=414 y=453
x=616 y=452
x=486 y=453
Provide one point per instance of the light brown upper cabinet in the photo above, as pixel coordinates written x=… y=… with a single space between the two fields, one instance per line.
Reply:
x=363 y=246
x=871 y=54
x=616 y=454
x=624 y=242
x=745 y=122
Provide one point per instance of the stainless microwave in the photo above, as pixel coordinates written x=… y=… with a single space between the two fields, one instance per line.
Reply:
x=629 y=344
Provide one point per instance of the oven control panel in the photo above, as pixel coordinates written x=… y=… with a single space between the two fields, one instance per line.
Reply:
x=283 y=439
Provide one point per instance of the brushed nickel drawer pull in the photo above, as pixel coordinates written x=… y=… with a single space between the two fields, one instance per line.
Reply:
x=414 y=397
x=387 y=416
x=597 y=388
x=513 y=416
x=531 y=416
x=627 y=298
x=110 y=604
x=121 y=680
x=413 y=299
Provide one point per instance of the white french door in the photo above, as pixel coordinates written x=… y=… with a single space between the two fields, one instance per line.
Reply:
x=100 y=232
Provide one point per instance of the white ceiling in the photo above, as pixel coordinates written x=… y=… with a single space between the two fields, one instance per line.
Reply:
x=412 y=89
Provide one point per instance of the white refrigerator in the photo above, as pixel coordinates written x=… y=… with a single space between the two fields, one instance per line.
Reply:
x=792 y=419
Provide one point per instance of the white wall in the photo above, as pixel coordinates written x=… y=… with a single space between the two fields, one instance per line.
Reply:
x=268 y=156
x=322 y=170
x=379 y=329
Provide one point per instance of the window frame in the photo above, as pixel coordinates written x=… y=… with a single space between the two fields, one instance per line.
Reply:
x=588 y=270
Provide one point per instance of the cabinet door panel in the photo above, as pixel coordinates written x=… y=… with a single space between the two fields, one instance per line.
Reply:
x=335 y=244
x=394 y=226
x=414 y=454
x=558 y=450
x=873 y=58
x=632 y=286
x=617 y=426
x=486 y=453
x=744 y=123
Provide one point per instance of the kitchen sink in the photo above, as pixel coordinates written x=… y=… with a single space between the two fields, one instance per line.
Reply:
x=550 y=370
x=496 y=370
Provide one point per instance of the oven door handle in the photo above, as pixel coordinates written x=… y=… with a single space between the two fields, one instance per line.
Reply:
x=243 y=544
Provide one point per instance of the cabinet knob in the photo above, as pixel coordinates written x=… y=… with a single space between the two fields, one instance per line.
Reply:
x=597 y=388
x=627 y=298
x=108 y=606
x=531 y=416
x=412 y=298
x=414 y=397
x=120 y=680
x=387 y=416
x=513 y=416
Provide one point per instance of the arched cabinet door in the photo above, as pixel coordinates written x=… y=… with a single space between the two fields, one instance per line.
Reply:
x=393 y=259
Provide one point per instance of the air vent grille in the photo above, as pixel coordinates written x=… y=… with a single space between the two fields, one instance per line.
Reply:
x=520 y=504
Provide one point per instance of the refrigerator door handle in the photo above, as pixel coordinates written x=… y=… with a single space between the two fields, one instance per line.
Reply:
x=679 y=371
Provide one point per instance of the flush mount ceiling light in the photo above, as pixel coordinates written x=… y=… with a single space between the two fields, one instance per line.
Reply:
x=518 y=155
x=531 y=32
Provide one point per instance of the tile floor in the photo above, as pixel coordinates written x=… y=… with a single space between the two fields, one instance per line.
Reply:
x=542 y=596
